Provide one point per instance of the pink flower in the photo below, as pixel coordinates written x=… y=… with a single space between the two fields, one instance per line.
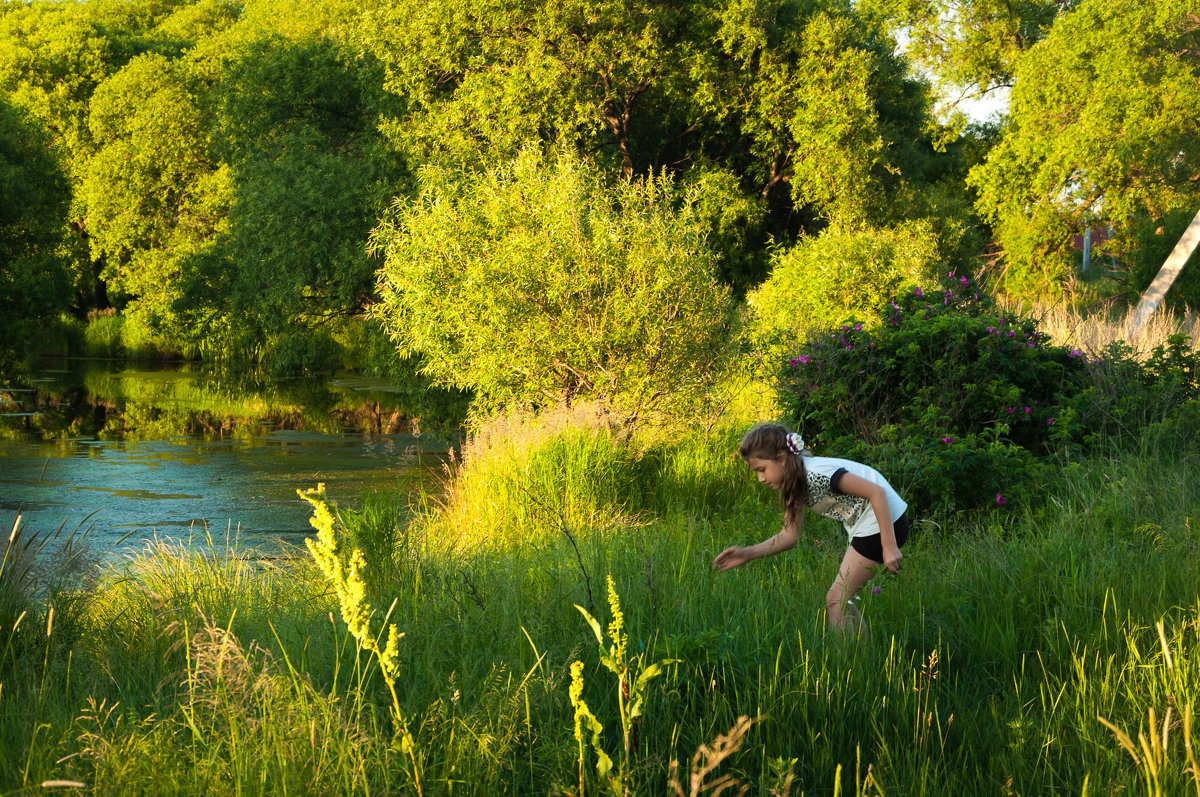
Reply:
x=1049 y=421
x=917 y=292
x=1011 y=410
x=1000 y=500
x=947 y=439
x=1073 y=353
x=876 y=590
x=1027 y=410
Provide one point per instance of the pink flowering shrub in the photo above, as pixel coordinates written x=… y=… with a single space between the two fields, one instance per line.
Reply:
x=957 y=401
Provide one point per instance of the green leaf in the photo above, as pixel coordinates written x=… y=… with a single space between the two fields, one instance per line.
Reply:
x=594 y=623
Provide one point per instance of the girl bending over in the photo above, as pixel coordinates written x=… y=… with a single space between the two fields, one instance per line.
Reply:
x=849 y=492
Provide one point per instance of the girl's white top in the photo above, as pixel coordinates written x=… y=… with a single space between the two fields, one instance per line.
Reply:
x=854 y=512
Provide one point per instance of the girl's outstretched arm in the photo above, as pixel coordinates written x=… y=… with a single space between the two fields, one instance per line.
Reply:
x=856 y=485
x=785 y=540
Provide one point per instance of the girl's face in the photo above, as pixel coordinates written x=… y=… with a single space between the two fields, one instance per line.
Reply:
x=769 y=471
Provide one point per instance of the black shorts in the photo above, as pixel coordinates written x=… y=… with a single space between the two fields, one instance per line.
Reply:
x=872 y=547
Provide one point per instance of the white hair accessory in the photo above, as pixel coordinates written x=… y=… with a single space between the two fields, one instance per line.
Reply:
x=795 y=443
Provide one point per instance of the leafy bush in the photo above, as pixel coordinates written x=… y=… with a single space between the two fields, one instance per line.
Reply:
x=955 y=399
x=112 y=334
x=539 y=283
x=840 y=276
x=947 y=357
x=962 y=403
x=1122 y=395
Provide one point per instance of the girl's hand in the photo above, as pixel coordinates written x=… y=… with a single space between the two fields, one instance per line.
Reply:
x=730 y=558
x=892 y=559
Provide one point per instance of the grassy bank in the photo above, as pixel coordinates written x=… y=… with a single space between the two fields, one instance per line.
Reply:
x=995 y=662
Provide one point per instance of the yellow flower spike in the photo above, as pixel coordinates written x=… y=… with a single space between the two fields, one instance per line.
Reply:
x=390 y=660
x=616 y=628
x=345 y=574
x=575 y=692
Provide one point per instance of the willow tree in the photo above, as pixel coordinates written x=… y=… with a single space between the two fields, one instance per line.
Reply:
x=543 y=281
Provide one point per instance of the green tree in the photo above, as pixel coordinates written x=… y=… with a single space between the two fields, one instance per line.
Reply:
x=51 y=60
x=540 y=282
x=820 y=106
x=34 y=282
x=53 y=57
x=970 y=46
x=153 y=193
x=789 y=113
x=483 y=80
x=309 y=175
x=1102 y=129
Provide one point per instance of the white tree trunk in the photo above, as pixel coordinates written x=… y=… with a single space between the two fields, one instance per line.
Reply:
x=1166 y=277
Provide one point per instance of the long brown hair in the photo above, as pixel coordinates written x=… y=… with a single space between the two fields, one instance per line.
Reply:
x=768 y=441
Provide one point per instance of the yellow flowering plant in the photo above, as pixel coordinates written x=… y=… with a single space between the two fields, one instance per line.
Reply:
x=633 y=679
x=343 y=566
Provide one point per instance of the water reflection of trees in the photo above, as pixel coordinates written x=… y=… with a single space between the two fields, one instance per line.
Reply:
x=108 y=401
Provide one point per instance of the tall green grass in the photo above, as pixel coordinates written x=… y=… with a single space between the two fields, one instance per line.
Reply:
x=1053 y=649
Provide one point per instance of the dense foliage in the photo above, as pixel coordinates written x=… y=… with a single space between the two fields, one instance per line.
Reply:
x=970 y=46
x=211 y=170
x=1100 y=133
x=224 y=167
x=33 y=273
x=539 y=283
x=1002 y=658
x=581 y=195
x=964 y=404
x=225 y=161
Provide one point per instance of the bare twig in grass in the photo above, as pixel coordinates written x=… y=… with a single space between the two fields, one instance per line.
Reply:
x=650 y=586
x=472 y=590
x=649 y=557
x=565 y=528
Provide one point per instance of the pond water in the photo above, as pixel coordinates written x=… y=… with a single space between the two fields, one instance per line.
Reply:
x=122 y=454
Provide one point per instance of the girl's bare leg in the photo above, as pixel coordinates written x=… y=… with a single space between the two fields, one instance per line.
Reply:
x=855 y=572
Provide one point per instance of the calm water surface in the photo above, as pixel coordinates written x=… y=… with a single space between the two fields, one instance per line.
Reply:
x=125 y=454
